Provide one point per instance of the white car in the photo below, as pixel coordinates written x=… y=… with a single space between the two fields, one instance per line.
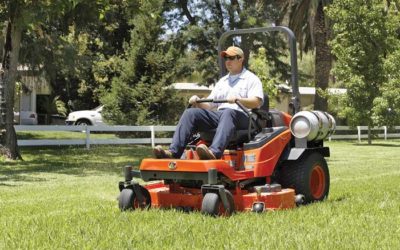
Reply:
x=26 y=118
x=85 y=117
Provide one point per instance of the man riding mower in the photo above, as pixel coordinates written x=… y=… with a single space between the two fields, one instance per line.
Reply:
x=274 y=162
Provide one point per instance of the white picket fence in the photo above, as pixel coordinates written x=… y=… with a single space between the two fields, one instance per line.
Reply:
x=349 y=134
x=362 y=133
x=87 y=141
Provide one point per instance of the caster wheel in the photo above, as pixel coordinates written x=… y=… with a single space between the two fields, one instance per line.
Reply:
x=212 y=204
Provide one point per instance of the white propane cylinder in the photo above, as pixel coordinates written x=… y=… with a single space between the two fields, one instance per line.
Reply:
x=313 y=125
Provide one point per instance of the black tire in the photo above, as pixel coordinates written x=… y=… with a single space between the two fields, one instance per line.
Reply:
x=212 y=204
x=83 y=122
x=147 y=198
x=127 y=199
x=309 y=176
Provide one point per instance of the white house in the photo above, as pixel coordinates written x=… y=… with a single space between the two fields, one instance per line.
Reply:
x=30 y=86
x=307 y=96
x=188 y=89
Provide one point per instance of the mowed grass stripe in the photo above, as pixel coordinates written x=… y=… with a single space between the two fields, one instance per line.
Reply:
x=65 y=198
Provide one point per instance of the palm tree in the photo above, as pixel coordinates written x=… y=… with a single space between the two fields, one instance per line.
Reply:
x=308 y=21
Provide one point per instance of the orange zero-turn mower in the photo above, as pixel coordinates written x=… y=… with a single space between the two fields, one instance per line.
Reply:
x=278 y=163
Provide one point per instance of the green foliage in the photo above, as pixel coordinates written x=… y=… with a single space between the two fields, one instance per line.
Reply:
x=57 y=200
x=365 y=36
x=301 y=19
x=386 y=110
x=140 y=93
x=259 y=66
x=53 y=106
x=209 y=19
x=306 y=64
x=68 y=39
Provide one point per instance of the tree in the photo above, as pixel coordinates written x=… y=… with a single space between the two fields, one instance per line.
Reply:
x=19 y=16
x=140 y=92
x=386 y=108
x=8 y=74
x=308 y=21
x=76 y=48
x=363 y=38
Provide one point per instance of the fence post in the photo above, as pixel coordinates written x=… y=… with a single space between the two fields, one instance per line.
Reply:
x=87 y=129
x=153 y=136
x=359 y=133
x=385 y=132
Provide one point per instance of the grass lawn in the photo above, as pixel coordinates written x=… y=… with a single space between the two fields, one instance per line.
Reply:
x=39 y=135
x=65 y=198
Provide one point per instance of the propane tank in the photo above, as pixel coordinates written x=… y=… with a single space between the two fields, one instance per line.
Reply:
x=313 y=125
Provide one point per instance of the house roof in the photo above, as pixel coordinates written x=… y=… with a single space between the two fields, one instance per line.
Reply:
x=310 y=90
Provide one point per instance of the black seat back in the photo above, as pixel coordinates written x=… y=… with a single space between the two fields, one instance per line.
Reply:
x=265 y=105
x=263 y=117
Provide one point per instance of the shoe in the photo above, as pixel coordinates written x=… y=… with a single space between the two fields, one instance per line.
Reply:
x=160 y=153
x=204 y=153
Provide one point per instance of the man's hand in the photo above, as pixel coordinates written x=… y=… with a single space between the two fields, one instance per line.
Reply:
x=193 y=100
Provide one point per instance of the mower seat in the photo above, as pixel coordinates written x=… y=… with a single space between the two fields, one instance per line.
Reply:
x=260 y=118
x=240 y=136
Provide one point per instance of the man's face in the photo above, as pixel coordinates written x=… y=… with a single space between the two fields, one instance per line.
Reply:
x=233 y=64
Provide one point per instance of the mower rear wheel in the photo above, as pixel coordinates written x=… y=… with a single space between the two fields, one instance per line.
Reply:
x=128 y=200
x=309 y=177
x=212 y=204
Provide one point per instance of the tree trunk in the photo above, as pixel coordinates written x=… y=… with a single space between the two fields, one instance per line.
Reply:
x=323 y=58
x=220 y=15
x=8 y=75
x=184 y=5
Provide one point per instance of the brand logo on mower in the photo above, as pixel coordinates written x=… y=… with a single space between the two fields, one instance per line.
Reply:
x=172 y=165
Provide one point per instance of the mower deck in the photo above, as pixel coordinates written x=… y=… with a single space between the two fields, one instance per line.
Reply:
x=166 y=196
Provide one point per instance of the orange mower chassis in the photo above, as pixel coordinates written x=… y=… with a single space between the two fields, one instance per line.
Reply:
x=239 y=166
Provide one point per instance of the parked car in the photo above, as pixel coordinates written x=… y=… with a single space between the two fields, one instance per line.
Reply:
x=85 y=117
x=25 y=118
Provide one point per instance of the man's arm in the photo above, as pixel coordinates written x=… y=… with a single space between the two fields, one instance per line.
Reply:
x=250 y=102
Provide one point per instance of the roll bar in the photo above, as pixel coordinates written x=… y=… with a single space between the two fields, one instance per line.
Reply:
x=293 y=56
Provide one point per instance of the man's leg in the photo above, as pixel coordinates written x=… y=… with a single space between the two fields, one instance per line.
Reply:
x=192 y=120
x=230 y=120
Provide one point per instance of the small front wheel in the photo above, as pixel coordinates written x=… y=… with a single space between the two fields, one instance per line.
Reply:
x=212 y=204
x=128 y=199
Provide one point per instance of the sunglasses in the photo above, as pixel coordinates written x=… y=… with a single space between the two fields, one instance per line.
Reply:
x=231 y=58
